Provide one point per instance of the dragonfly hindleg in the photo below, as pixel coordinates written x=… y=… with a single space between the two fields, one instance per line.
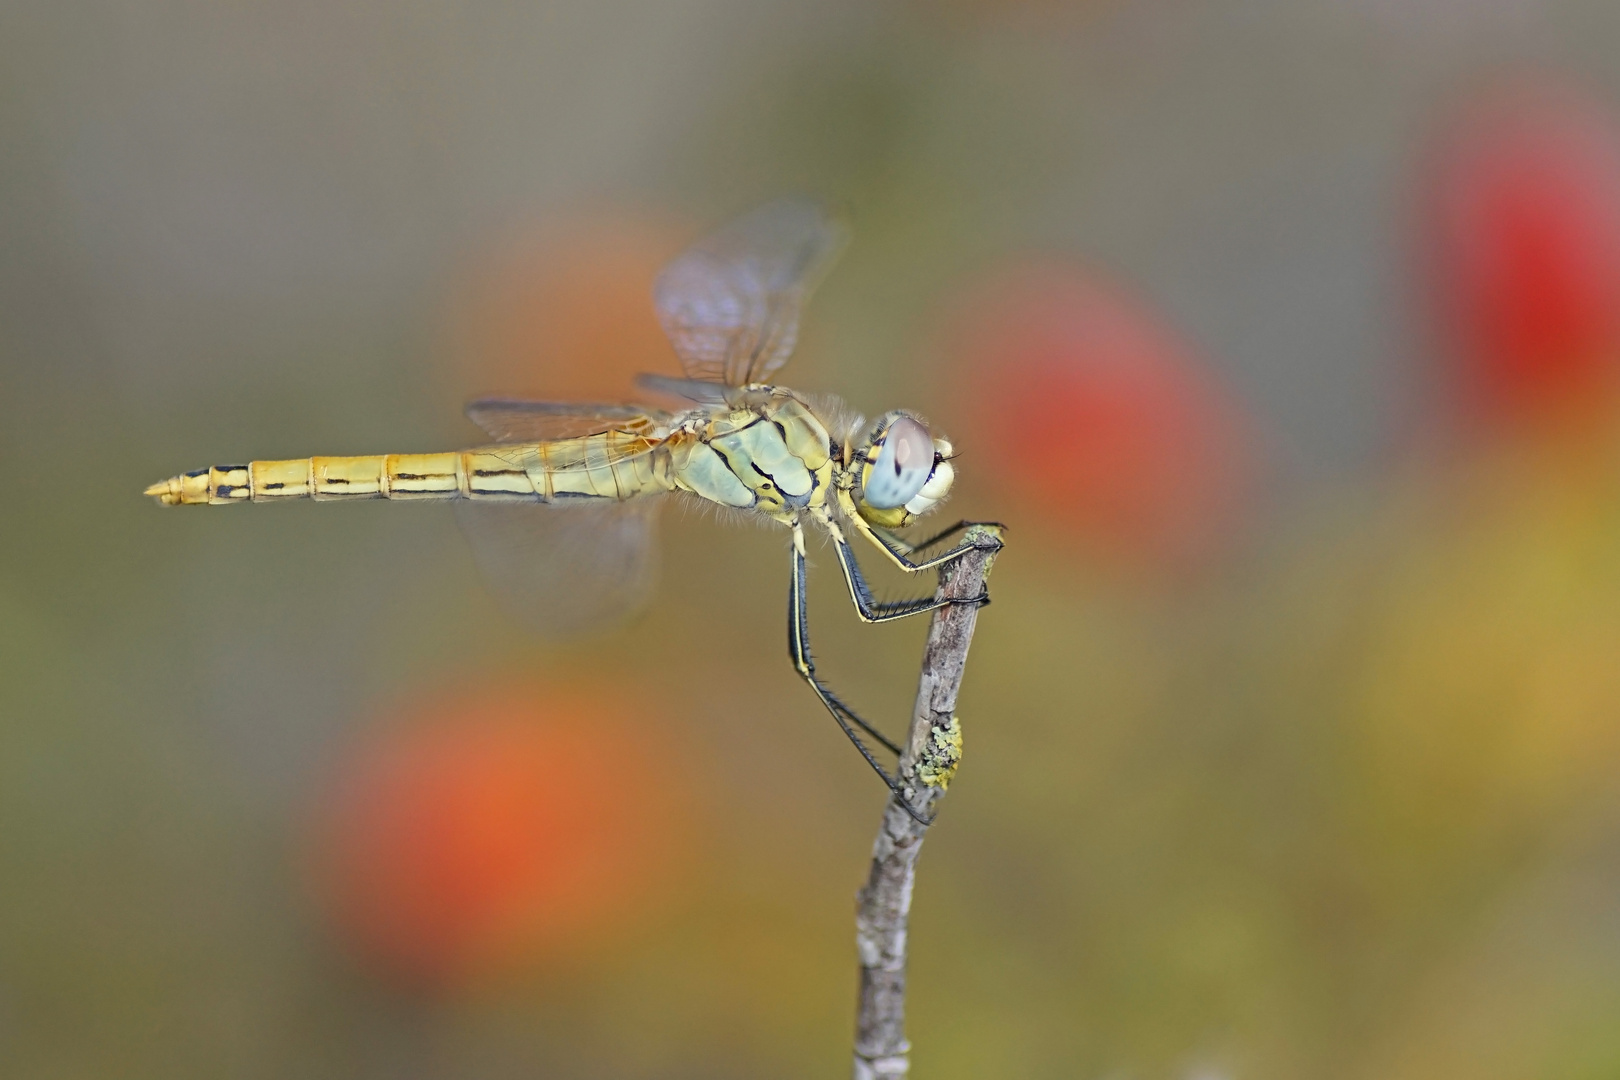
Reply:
x=799 y=649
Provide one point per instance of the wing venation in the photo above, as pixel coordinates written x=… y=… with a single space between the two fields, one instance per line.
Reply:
x=518 y=420
x=568 y=568
x=731 y=302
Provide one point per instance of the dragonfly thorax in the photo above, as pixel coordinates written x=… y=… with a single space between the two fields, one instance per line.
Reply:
x=764 y=449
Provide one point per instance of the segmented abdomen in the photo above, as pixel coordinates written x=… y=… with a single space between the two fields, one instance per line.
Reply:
x=611 y=465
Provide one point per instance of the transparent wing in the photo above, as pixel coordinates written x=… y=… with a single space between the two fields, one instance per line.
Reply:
x=731 y=302
x=566 y=569
x=517 y=420
x=702 y=391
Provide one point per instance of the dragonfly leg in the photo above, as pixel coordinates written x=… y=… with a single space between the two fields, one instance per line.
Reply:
x=908 y=548
x=799 y=649
x=901 y=553
x=873 y=610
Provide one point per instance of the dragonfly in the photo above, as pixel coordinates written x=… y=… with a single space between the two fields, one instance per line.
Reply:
x=561 y=507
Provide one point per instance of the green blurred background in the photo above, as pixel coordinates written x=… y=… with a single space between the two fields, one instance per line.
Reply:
x=1283 y=335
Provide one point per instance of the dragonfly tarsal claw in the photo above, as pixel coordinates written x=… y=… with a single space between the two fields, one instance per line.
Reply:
x=986 y=535
x=905 y=804
x=981 y=600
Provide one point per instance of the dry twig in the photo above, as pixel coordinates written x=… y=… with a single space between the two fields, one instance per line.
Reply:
x=933 y=747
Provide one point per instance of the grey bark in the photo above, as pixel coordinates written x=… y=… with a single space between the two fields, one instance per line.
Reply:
x=932 y=747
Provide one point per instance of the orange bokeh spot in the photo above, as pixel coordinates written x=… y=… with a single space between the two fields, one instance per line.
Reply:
x=1092 y=413
x=489 y=829
x=1521 y=230
x=564 y=310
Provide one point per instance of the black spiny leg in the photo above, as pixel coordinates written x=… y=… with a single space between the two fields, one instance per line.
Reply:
x=799 y=650
x=901 y=553
x=906 y=547
x=904 y=555
x=875 y=611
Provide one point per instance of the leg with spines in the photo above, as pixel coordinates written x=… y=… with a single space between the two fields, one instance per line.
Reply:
x=901 y=553
x=799 y=650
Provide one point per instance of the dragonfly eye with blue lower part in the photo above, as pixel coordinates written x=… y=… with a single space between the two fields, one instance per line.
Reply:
x=904 y=459
x=904 y=471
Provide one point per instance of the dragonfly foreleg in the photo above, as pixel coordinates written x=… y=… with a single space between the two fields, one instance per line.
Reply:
x=799 y=649
x=901 y=553
x=907 y=548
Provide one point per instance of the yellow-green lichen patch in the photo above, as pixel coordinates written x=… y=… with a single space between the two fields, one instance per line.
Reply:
x=980 y=533
x=940 y=756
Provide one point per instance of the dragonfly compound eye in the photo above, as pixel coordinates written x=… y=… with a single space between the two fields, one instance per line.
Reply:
x=904 y=462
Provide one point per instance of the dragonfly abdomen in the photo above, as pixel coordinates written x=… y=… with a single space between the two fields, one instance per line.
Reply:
x=595 y=466
x=376 y=476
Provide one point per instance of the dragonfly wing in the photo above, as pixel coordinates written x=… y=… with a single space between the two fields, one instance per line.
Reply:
x=731 y=302
x=510 y=420
x=702 y=391
x=565 y=569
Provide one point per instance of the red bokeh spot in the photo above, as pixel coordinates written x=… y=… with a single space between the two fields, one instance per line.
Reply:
x=1094 y=415
x=486 y=830
x=563 y=309
x=1522 y=227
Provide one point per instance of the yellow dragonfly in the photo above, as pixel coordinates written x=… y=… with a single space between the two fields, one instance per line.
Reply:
x=561 y=509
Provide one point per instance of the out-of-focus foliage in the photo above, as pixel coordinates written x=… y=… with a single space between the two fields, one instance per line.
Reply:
x=560 y=309
x=498 y=827
x=1282 y=336
x=1097 y=418
x=1523 y=230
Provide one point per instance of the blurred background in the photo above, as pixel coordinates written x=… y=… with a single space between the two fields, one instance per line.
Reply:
x=1285 y=336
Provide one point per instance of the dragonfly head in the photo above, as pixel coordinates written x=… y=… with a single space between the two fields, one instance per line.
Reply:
x=901 y=471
